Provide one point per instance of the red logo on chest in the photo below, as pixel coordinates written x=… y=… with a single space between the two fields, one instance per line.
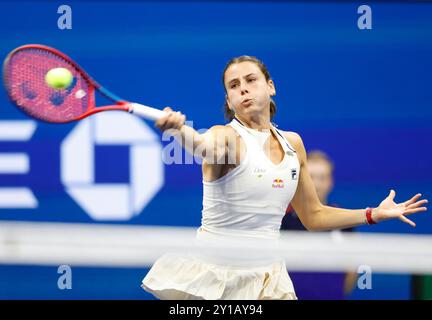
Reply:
x=278 y=183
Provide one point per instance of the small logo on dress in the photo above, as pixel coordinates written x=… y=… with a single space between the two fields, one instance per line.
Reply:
x=289 y=153
x=259 y=172
x=294 y=174
x=278 y=183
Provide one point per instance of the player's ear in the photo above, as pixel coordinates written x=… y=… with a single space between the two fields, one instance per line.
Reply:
x=272 y=87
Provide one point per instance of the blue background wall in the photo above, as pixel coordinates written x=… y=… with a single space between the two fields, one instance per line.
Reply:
x=363 y=96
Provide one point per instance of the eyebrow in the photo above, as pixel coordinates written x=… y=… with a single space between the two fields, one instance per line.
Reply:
x=236 y=79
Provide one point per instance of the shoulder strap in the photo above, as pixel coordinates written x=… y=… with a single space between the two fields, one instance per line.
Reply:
x=284 y=139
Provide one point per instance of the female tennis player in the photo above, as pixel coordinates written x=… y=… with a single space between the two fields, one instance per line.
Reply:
x=251 y=172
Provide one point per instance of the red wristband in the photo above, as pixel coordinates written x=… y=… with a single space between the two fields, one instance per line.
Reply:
x=369 y=216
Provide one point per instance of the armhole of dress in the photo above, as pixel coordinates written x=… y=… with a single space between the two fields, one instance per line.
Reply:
x=291 y=148
x=288 y=144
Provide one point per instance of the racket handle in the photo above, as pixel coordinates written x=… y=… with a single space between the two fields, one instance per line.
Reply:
x=146 y=112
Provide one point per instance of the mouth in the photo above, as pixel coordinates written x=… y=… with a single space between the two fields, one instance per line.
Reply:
x=246 y=101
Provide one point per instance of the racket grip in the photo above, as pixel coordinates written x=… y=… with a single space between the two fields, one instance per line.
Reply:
x=146 y=112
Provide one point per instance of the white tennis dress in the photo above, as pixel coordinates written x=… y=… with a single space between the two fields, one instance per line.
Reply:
x=248 y=203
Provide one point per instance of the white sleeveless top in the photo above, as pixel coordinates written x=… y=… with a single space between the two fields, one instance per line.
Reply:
x=251 y=200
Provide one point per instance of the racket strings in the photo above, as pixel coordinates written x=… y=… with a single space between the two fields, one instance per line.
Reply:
x=25 y=82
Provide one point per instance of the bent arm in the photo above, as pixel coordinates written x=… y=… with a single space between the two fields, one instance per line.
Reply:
x=313 y=214
x=210 y=146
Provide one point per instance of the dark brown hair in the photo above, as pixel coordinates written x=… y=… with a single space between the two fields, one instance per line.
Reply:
x=229 y=114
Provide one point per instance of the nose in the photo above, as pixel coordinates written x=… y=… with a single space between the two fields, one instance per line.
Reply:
x=243 y=88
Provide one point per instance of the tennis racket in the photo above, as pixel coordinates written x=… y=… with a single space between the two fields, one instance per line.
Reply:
x=24 y=73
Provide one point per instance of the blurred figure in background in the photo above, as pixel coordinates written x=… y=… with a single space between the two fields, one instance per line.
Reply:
x=319 y=285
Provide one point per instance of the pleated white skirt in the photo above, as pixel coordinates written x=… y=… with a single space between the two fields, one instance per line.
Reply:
x=191 y=277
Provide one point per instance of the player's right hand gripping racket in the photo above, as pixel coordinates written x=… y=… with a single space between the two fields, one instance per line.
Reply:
x=24 y=73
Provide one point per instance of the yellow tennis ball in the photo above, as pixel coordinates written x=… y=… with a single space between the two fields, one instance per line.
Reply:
x=59 y=78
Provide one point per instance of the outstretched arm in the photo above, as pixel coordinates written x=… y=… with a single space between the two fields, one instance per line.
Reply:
x=318 y=217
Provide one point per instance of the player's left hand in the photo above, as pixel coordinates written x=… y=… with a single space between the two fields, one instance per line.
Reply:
x=388 y=209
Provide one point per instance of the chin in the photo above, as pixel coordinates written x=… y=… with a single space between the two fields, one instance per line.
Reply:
x=252 y=110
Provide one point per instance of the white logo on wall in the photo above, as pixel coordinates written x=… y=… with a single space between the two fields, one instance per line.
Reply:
x=16 y=163
x=112 y=201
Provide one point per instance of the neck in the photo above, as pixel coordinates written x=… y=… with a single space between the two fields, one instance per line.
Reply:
x=257 y=122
